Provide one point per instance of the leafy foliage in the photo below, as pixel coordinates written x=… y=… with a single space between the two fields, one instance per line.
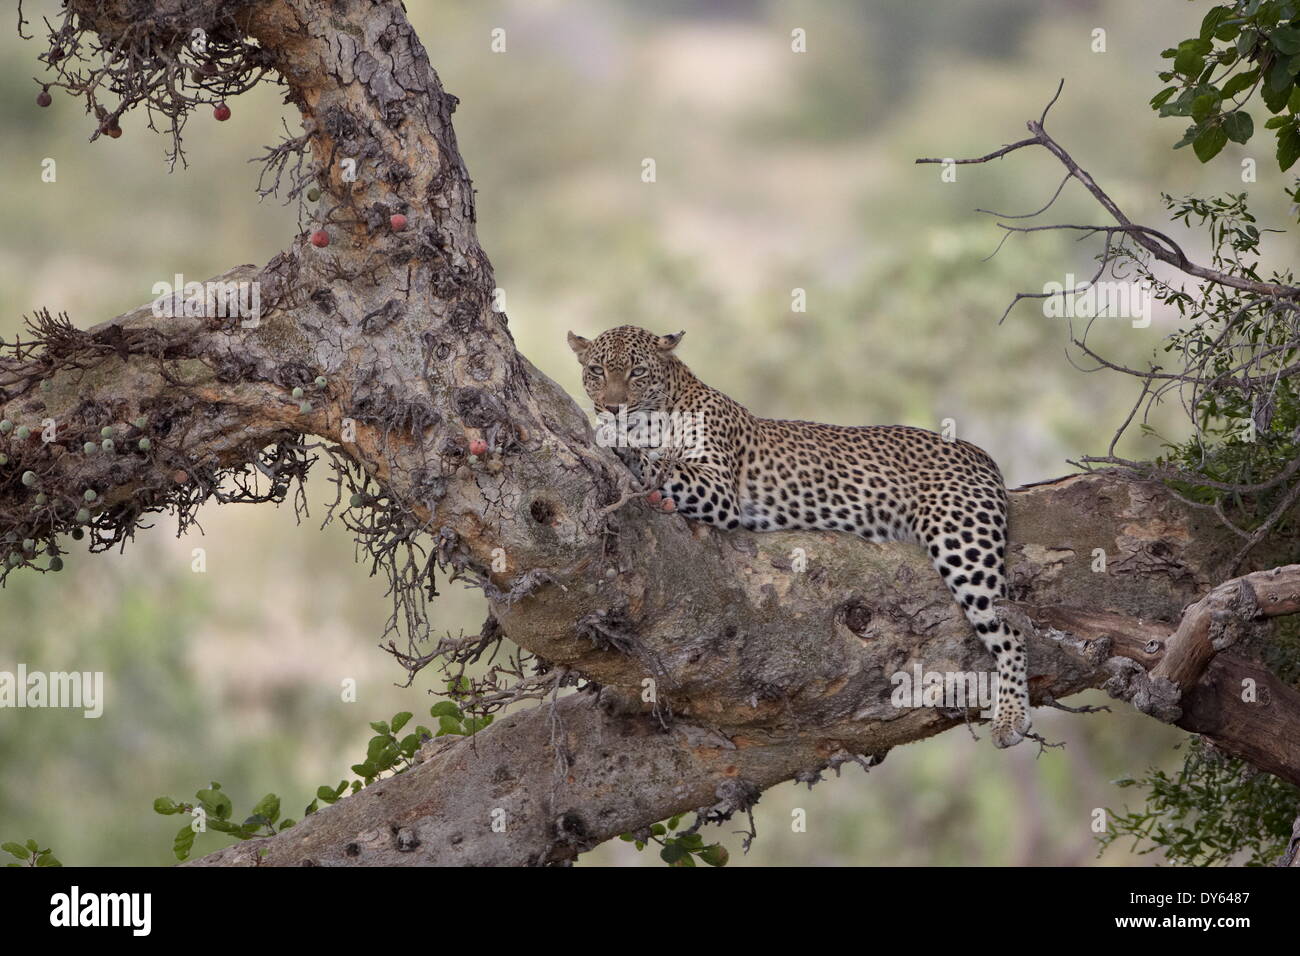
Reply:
x=386 y=753
x=1232 y=364
x=678 y=848
x=213 y=810
x=29 y=854
x=1243 y=48
x=1209 y=813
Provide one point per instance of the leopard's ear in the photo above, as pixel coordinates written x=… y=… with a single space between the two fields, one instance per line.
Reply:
x=579 y=345
x=669 y=342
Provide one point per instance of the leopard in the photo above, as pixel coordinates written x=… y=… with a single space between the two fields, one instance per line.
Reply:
x=712 y=461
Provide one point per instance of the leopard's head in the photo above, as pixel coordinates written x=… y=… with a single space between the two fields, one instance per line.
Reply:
x=628 y=366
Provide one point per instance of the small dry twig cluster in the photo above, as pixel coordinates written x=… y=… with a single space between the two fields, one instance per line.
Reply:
x=169 y=63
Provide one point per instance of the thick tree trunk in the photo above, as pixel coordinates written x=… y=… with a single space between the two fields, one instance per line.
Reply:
x=767 y=663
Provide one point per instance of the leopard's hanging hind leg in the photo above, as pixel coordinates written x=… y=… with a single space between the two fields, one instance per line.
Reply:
x=967 y=544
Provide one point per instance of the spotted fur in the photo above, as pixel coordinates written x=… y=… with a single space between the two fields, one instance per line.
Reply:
x=883 y=483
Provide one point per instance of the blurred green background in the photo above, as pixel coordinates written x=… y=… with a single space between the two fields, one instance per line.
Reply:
x=775 y=171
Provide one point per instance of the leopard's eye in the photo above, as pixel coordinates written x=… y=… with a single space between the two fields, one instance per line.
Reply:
x=595 y=370
x=639 y=370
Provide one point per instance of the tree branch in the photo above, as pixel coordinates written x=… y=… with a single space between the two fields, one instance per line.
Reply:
x=1166 y=250
x=569 y=775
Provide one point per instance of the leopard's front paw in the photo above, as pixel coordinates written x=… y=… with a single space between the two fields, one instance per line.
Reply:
x=660 y=502
x=1010 y=728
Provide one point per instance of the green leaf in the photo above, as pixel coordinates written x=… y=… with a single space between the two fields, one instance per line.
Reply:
x=1288 y=147
x=672 y=853
x=691 y=841
x=16 y=849
x=1160 y=98
x=268 y=807
x=715 y=855
x=1286 y=40
x=164 y=805
x=1208 y=143
x=1277 y=121
x=444 y=708
x=400 y=720
x=1228 y=31
x=47 y=860
x=379 y=726
x=1275 y=100
x=1239 y=82
x=380 y=749
x=1212 y=20
x=449 y=725
x=1206 y=105
x=1279 y=77
x=1246 y=41
x=1239 y=126
x=184 y=842
x=215 y=802
x=1189 y=63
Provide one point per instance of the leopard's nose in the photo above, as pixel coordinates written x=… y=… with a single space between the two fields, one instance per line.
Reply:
x=613 y=408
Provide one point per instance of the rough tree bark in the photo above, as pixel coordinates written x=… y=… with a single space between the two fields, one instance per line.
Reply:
x=763 y=673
